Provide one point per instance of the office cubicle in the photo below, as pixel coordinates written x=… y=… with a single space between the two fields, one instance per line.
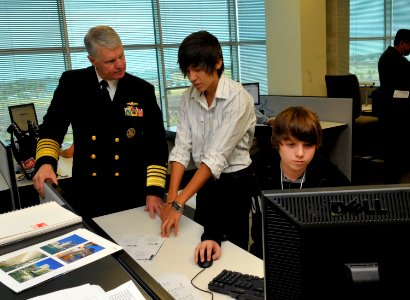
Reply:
x=7 y=170
x=328 y=109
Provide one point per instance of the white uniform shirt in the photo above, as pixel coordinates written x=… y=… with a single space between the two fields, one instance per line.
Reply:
x=219 y=136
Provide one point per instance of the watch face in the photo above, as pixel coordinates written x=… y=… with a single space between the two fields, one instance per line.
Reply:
x=177 y=206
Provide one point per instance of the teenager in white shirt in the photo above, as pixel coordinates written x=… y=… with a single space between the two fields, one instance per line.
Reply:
x=216 y=126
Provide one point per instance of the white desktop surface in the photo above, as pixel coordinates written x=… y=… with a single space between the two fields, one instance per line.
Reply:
x=177 y=253
x=327 y=125
x=323 y=124
x=367 y=107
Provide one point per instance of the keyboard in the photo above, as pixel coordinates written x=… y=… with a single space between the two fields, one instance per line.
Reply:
x=238 y=285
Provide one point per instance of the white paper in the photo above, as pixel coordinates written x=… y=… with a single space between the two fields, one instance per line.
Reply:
x=30 y=266
x=179 y=286
x=82 y=292
x=141 y=248
x=126 y=291
x=401 y=94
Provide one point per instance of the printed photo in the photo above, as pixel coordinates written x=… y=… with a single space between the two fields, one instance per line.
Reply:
x=79 y=252
x=63 y=244
x=35 y=270
x=21 y=260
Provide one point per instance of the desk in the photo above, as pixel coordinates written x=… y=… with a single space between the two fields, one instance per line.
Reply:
x=367 y=108
x=106 y=272
x=177 y=253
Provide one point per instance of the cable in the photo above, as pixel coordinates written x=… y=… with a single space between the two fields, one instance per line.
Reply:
x=192 y=282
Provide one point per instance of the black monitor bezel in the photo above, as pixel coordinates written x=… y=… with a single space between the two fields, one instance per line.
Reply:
x=14 y=109
x=299 y=234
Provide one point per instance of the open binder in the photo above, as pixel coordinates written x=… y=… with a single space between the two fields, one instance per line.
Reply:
x=35 y=220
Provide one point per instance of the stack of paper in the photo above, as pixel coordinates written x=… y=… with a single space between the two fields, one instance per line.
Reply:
x=126 y=291
x=28 y=222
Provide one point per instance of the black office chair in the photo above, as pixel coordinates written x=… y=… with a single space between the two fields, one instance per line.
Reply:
x=365 y=128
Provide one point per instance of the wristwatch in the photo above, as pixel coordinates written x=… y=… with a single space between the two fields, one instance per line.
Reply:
x=177 y=207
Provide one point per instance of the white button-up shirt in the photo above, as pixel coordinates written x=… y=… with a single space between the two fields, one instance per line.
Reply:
x=219 y=136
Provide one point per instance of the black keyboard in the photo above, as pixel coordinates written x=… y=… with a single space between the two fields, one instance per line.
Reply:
x=238 y=285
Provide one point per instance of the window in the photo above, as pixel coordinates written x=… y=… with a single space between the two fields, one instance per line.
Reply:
x=373 y=25
x=41 y=39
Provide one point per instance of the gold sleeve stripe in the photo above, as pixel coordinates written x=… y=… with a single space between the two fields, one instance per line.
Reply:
x=155 y=181
x=157 y=168
x=156 y=175
x=47 y=147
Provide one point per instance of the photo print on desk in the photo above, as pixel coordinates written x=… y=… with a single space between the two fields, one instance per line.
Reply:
x=30 y=266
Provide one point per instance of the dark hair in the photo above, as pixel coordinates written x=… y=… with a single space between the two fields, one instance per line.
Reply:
x=200 y=49
x=402 y=35
x=297 y=122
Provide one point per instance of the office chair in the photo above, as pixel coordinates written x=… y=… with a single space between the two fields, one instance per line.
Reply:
x=365 y=128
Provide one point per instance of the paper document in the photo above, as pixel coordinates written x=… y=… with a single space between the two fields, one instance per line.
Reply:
x=33 y=265
x=35 y=220
x=180 y=287
x=82 y=292
x=141 y=248
x=401 y=94
x=126 y=291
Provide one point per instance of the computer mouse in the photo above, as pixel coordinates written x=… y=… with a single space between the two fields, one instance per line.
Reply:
x=205 y=263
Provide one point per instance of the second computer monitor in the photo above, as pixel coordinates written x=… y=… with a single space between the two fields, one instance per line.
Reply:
x=253 y=89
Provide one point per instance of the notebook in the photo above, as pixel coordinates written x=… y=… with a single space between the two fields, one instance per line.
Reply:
x=35 y=220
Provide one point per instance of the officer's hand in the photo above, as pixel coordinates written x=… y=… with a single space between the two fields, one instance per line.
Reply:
x=153 y=205
x=44 y=172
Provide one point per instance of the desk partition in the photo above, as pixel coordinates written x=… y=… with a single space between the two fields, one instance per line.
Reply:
x=327 y=109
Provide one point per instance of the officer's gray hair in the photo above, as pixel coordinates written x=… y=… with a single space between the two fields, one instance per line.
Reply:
x=101 y=35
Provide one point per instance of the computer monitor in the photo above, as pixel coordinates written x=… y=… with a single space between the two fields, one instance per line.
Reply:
x=253 y=89
x=22 y=113
x=337 y=243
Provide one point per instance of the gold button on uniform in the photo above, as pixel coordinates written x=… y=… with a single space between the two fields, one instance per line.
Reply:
x=117 y=174
x=117 y=157
x=94 y=174
x=93 y=137
x=117 y=140
x=93 y=156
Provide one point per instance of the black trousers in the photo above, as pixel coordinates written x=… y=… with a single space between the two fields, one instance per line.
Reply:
x=223 y=206
x=94 y=198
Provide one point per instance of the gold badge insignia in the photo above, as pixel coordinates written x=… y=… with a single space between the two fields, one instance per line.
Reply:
x=130 y=133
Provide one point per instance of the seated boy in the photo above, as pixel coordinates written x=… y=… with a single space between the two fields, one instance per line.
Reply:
x=296 y=135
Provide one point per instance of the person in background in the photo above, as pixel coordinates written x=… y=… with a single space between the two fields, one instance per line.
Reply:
x=295 y=161
x=120 y=158
x=394 y=75
x=216 y=125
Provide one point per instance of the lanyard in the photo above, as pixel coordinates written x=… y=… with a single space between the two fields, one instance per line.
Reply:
x=301 y=180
